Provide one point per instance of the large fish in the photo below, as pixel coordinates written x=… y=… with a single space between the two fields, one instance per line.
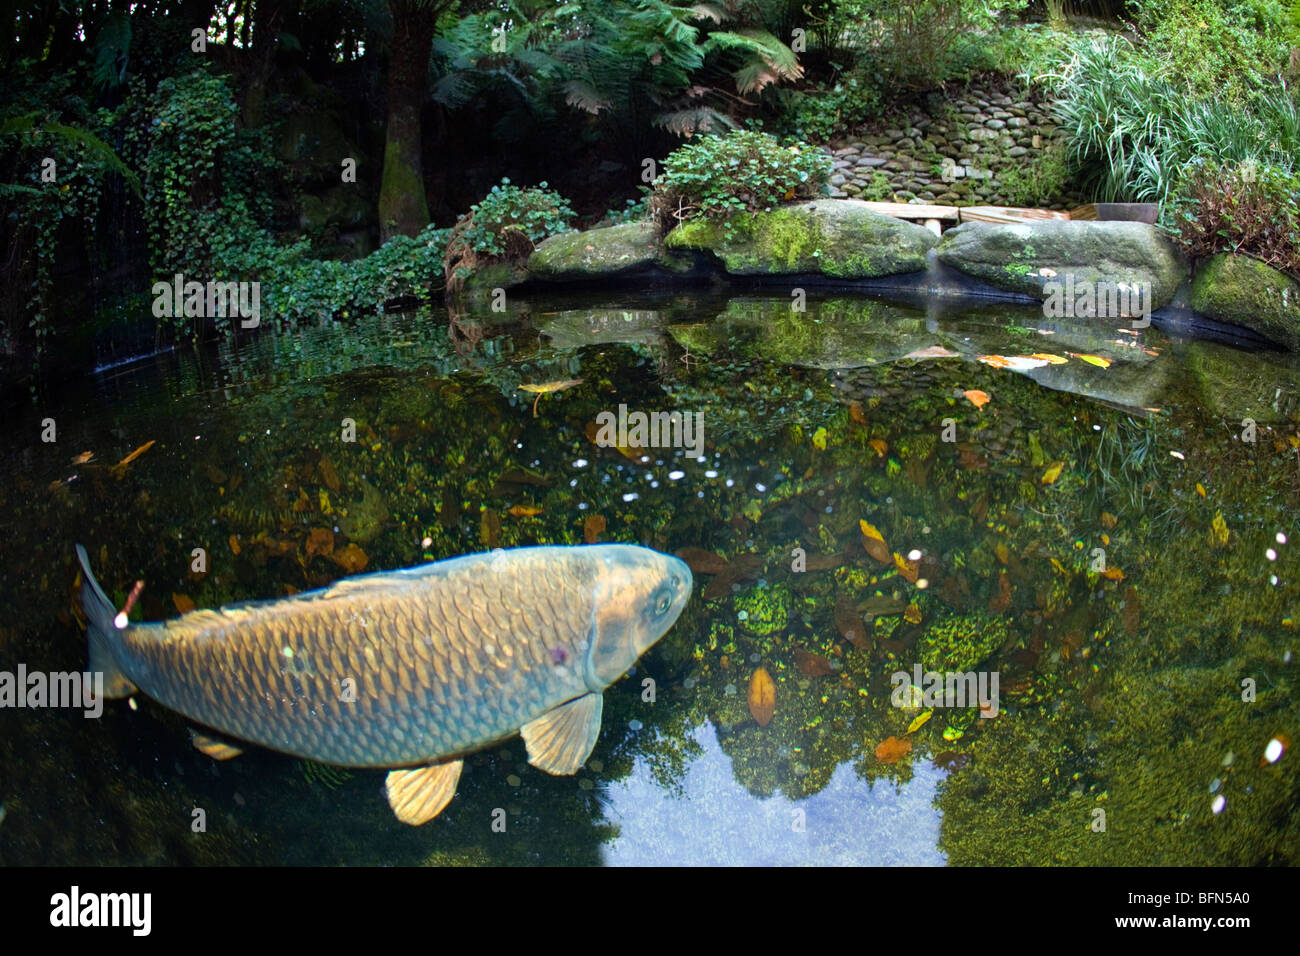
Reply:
x=407 y=669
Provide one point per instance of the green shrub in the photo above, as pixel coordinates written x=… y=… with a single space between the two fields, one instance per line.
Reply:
x=879 y=189
x=819 y=114
x=531 y=212
x=742 y=172
x=1241 y=208
x=1045 y=178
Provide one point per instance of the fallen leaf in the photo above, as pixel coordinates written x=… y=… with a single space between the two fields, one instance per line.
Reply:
x=919 y=722
x=1051 y=359
x=819 y=438
x=234 y=544
x=1053 y=472
x=1218 y=530
x=1017 y=363
x=856 y=413
x=319 y=541
x=976 y=397
x=1200 y=489
x=84 y=457
x=1001 y=601
x=183 y=604
x=812 y=665
x=912 y=614
x=1096 y=360
x=910 y=570
x=699 y=560
x=1112 y=573
x=762 y=697
x=134 y=455
x=351 y=559
x=524 y=511
x=1132 y=611
x=849 y=623
x=328 y=473
x=634 y=453
x=1108 y=520
x=545 y=388
x=592 y=527
x=891 y=749
x=880 y=446
x=489 y=528
x=874 y=542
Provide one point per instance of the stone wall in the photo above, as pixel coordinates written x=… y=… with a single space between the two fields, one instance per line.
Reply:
x=979 y=133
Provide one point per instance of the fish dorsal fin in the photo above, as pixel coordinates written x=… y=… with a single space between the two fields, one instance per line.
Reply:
x=419 y=794
x=218 y=748
x=561 y=740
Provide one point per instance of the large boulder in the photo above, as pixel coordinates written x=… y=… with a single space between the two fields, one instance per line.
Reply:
x=1026 y=257
x=1239 y=385
x=841 y=238
x=1246 y=292
x=596 y=253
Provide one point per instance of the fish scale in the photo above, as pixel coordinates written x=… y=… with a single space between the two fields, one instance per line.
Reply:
x=450 y=625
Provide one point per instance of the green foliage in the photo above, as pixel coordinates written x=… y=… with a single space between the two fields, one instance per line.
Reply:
x=1042 y=180
x=1132 y=131
x=879 y=189
x=743 y=171
x=1243 y=209
x=535 y=212
x=1203 y=44
x=818 y=115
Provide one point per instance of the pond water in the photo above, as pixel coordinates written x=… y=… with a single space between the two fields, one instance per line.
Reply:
x=1108 y=528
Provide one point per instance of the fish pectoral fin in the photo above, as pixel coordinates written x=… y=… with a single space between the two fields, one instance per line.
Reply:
x=561 y=740
x=419 y=794
x=218 y=748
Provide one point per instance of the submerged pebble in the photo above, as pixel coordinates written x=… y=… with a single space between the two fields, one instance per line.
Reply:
x=730 y=690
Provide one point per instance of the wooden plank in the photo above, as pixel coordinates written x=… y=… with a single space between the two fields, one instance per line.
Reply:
x=904 y=210
x=1009 y=214
x=1117 y=212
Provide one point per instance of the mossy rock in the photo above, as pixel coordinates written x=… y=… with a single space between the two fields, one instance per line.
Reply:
x=1025 y=257
x=596 y=253
x=960 y=642
x=1246 y=292
x=1237 y=386
x=497 y=275
x=841 y=238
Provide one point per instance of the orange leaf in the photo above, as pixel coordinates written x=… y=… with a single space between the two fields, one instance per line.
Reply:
x=880 y=446
x=891 y=749
x=762 y=697
x=976 y=397
x=1108 y=520
x=135 y=454
x=319 y=541
x=856 y=413
x=910 y=570
x=351 y=559
x=812 y=665
x=183 y=604
x=1112 y=573
x=524 y=511
x=874 y=542
x=234 y=544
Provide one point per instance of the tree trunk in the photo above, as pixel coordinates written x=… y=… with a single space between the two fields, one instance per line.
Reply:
x=403 y=206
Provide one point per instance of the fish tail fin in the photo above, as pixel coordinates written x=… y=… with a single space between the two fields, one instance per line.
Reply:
x=101 y=632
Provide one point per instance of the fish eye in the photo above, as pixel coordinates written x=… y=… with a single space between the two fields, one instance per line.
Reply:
x=661 y=606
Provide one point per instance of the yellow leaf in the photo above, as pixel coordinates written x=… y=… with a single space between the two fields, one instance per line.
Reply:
x=874 y=542
x=1049 y=357
x=1218 y=530
x=912 y=614
x=819 y=439
x=976 y=397
x=1112 y=573
x=916 y=724
x=524 y=511
x=880 y=446
x=1096 y=360
x=1200 y=489
x=1052 y=473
